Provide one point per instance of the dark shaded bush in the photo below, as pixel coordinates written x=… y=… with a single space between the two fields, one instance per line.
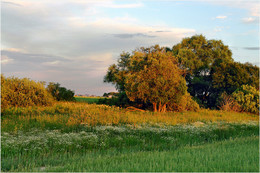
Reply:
x=23 y=92
x=60 y=93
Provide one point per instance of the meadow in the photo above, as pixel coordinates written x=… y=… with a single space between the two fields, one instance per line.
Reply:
x=87 y=99
x=77 y=136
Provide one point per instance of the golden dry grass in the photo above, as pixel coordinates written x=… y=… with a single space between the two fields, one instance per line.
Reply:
x=71 y=114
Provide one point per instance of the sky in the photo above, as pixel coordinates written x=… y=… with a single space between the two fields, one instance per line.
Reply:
x=73 y=42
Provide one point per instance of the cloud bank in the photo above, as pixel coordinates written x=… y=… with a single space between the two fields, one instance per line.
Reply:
x=71 y=42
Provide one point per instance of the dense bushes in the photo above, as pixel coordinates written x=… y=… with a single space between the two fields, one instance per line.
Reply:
x=245 y=99
x=23 y=92
x=248 y=98
x=60 y=93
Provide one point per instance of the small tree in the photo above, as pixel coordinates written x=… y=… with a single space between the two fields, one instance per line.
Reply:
x=154 y=77
x=60 y=93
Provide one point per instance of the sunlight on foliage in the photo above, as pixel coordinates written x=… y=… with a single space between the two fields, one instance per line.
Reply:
x=23 y=93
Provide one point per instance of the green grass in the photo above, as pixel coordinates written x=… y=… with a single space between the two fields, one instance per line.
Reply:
x=41 y=139
x=238 y=155
x=126 y=148
x=87 y=99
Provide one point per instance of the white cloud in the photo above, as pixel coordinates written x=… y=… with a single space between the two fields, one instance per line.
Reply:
x=250 y=20
x=221 y=17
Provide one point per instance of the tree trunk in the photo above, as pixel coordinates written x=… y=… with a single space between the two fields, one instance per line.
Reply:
x=154 y=107
x=163 y=108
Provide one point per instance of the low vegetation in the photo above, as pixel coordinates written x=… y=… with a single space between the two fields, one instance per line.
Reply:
x=87 y=137
x=70 y=115
x=23 y=92
x=89 y=100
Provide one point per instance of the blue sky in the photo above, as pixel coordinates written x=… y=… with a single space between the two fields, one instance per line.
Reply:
x=74 y=41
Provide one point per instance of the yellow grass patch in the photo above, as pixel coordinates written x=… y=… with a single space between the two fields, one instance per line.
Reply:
x=75 y=114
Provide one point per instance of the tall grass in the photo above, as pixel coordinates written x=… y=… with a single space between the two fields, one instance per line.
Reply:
x=227 y=156
x=69 y=115
x=71 y=136
x=27 y=151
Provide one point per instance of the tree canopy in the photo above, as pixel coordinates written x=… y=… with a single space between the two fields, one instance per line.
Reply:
x=154 y=77
x=148 y=75
x=158 y=75
x=210 y=69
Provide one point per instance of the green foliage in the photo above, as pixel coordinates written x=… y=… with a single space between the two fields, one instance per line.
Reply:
x=110 y=94
x=116 y=73
x=60 y=93
x=211 y=70
x=118 y=99
x=196 y=55
x=248 y=97
x=24 y=92
x=230 y=76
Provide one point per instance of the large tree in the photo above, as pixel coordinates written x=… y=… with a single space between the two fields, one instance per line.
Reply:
x=196 y=56
x=148 y=75
x=154 y=77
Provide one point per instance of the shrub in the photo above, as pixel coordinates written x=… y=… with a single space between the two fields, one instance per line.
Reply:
x=23 y=92
x=228 y=103
x=248 y=98
x=60 y=93
x=185 y=103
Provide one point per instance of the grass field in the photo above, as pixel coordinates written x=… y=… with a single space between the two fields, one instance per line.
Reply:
x=87 y=99
x=87 y=137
